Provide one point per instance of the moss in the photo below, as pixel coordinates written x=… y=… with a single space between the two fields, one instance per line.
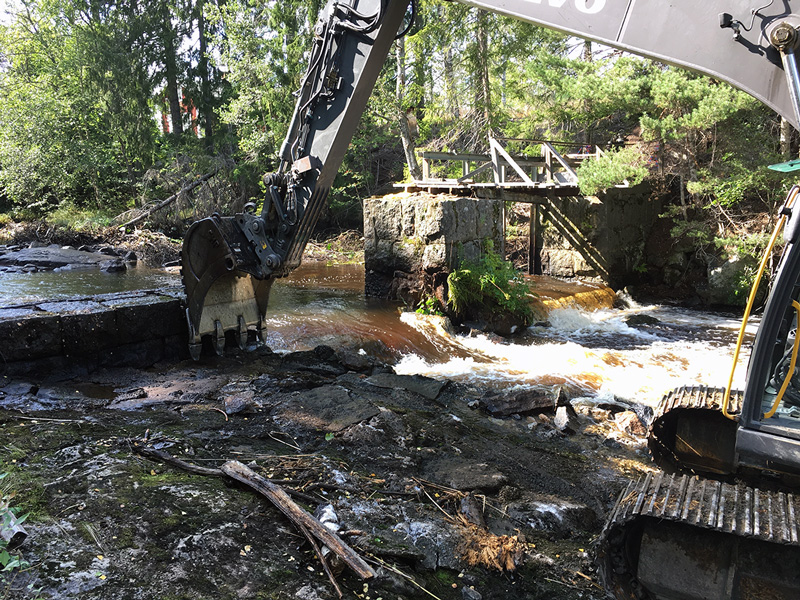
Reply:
x=445 y=577
x=125 y=538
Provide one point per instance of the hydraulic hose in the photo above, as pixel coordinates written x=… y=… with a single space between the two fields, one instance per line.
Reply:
x=790 y=200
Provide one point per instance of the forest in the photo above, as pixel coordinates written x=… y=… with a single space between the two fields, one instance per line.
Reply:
x=108 y=105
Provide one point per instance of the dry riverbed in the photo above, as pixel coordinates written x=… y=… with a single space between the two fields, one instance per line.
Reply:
x=443 y=498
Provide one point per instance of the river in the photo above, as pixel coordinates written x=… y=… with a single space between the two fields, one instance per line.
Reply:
x=592 y=351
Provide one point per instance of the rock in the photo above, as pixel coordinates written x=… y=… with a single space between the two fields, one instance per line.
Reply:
x=355 y=361
x=238 y=403
x=558 y=516
x=130 y=256
x=114 y=266
x=329 y=408
x=47 y=257
x=424 y=386
x=307 y=593
x=108 y=251
x=725 y=281
x=638 y=320
x=565 y=420
x=471 y=510
x=464 y=475
x=468 y=593
x=629 y=422
x=522 y=402
x=36 y=244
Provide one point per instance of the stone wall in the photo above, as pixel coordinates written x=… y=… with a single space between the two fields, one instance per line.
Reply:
x=135 y=329
x=602 y=237
x=410 y=240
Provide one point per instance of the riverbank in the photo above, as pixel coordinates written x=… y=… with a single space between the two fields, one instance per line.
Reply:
x=436 y=491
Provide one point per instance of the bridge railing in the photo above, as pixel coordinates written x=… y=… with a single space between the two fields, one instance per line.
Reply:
x=500 y=168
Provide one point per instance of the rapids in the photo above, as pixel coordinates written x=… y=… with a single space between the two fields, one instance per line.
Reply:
x=635 y=354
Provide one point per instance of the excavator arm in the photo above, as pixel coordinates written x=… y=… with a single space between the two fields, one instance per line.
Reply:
x=230 y=262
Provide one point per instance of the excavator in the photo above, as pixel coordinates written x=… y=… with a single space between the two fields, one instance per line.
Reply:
x=718 y=518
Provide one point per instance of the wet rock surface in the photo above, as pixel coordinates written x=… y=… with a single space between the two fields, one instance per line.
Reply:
x=401 y=461
x=42 y=257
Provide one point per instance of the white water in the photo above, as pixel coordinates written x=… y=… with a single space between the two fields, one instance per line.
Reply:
x=595 y=353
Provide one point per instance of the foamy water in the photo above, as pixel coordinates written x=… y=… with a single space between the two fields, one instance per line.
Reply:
x=636 y=354
x=594 y=353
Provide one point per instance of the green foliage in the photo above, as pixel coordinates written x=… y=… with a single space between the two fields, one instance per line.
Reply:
x=75 y=122
x=613 y=168
x=429 y=305
x=491 y=284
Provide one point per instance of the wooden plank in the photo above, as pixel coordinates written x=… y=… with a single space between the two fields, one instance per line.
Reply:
x=521 y=160
x=561 y=160
x=454 y=156
x=497 y=148
x=474 y=172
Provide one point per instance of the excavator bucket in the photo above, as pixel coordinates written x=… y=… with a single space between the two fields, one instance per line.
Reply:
x=226 y=287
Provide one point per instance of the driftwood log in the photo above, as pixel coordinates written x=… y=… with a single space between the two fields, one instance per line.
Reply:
x=309 y=526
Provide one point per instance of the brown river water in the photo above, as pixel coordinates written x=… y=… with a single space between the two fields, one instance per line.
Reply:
x=585 y=345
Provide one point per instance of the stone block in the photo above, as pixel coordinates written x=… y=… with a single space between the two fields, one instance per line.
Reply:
x=382 y=219
x=434 y=257
x=381 y=257
x=137 y=355
x=85 y=333
x=407 y=255
x=488 y=220
x=157 y=318
x=31 y=338
x=431 y=220
x=408 y=217
x=465 y=220
x=560 y=262
x=468 y=251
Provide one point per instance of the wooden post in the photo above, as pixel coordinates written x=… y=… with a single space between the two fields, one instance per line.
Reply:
x=534 y=245
x=426 y=169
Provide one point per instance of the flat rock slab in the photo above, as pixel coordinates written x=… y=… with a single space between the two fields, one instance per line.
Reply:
x=54 y=258
x=330 y=408
x=464 y=475
x=522 y=402
x=72 y=307
x=424 y=386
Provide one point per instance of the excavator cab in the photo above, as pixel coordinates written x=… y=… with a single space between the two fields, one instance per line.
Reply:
x=769 y=425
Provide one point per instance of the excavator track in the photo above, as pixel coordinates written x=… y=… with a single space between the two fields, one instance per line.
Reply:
x=684 y=537
x=690 y=432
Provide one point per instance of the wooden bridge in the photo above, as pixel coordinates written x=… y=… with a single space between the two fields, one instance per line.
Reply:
x=533 y=180
x=500 y=174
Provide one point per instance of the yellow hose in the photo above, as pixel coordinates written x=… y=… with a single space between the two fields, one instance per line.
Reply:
x=751 y=300
x=792 y=363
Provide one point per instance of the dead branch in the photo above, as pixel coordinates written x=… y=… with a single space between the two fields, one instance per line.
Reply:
x=322 y=558
x=276 y=495
x=171 y=199
x=166 y=457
